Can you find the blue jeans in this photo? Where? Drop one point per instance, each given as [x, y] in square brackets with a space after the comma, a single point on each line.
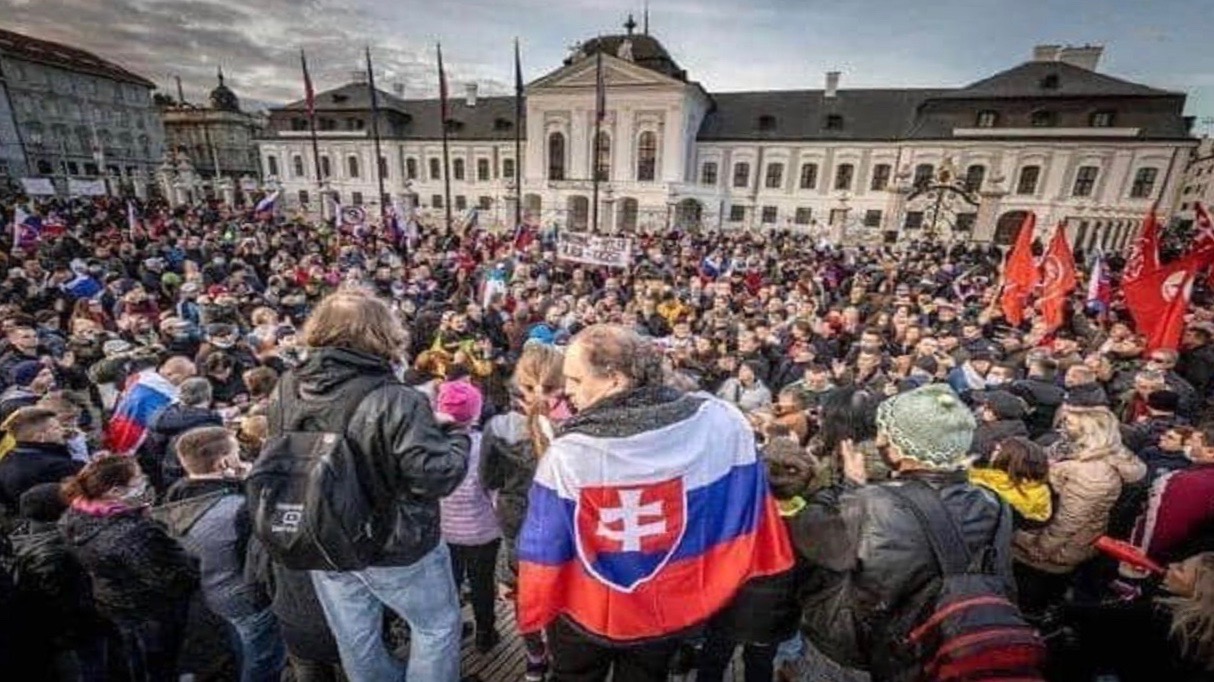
[422, 593]
[262, 653]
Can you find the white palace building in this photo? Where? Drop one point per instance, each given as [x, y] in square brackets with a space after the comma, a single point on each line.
[1052, 135]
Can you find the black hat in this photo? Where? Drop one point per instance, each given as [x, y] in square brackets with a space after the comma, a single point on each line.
[1164, 401]
[1004, 404]
[927, 363]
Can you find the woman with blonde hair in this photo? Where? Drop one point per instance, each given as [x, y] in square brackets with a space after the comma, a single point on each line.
[1086, 485]
[511, 446]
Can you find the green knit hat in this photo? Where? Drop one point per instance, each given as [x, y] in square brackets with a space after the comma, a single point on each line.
[929, 424]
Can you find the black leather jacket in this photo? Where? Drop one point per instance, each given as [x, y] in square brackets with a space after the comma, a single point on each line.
[870, 565]
[411, 458]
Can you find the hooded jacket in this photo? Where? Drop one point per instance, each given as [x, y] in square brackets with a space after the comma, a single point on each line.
[211, 521]
[1087, 487]
[990, 434]
[507, 466]
[410, 461]
[1044, 397]
[137, 570]
[1032, 505]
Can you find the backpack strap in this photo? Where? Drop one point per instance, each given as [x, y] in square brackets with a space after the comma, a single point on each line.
[943, 535]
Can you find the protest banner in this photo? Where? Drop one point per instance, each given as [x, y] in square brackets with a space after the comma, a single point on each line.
[594, 249]
[38, 187]
[85, 188]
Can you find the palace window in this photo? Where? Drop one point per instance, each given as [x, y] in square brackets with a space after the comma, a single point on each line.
[1102, 119]
[843, 176]
[647, 158]
[974, 175]
[508, 169]
[987, 119]
[769, 215]
[923, 175]
[1028, 180]
[410, 168]
[803, 215]
[556, 156]
[741, 174]
[1043, 119]
[436, 169]
[1085, 181]
[737, 213]
[457, 169]
[297, 166]
[602, 167]
[775, 176]
[708, 173]
[271, 166]
[809, 175]
[1144, 183]
[482, 170]
[880, 180]
[352, 166]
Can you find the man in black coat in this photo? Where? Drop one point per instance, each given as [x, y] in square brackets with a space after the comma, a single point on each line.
[40, 456]
[192, 410]
[870, 558]
[1000, 416]
[1196, 363]
[1042, 393]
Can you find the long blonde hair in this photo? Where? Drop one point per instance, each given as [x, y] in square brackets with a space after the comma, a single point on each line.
[539, 372]
[1193, 617]
[1094, 430]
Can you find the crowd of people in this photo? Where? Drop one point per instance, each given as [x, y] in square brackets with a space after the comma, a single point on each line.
[162, 383]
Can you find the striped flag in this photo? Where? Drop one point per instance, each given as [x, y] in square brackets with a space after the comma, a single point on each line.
[268, 203]
[27, 229]
[1100, 292]
[145, 396]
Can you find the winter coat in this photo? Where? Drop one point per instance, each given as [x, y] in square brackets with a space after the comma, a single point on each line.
[1179, 518]
[1087, 394]
[1196, 366]
[990, 434]
[165, 429]
[467, 513]
[1160, 462]
[1144, 434]
[30, 464]
[211, 521]
[15, 398]
[1044, 397]
[870, 565]
[1087, 488]
[52, 586]
[507, 466]
[135, 568]
[747, 399]
[411, 461]
[1031, 501]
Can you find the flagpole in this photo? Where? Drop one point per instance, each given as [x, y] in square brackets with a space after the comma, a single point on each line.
[310, 103]
[442, 92]
[379, 174]
[598, 121]
[518, 139]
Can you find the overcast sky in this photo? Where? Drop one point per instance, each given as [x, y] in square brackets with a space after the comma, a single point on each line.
[726, 45]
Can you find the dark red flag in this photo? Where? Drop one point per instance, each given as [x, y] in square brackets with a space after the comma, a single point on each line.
[1144, 256]
[1019, 272]
[1158, 300]
[1058, 278]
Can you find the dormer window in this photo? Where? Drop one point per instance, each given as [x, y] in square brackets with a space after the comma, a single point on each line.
[1102, 119]
[767, 122]
[834, 122]
[1050, 82]
[1043, 119]
[987, 119]
[340, 98]
[502, 124]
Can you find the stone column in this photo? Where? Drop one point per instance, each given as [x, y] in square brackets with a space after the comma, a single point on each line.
[988, 216]
[227, 190]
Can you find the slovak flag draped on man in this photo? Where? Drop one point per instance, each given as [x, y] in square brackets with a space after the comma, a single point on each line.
[645, 535]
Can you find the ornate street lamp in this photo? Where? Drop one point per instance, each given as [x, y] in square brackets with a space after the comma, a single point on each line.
[945, 194]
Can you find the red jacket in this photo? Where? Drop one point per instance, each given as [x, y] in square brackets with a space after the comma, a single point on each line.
[1179, 512]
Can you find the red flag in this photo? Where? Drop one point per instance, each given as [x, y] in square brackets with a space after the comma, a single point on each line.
[442, 89]
[1204, 237]
[1158, 300]
[309, 93]
[1058, 278]
[1144, 256]
[1019, 272]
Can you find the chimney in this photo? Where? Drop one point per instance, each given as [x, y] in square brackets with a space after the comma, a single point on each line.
[832, 84]
[398, 89]
[470, 94]
[1046, 53]
[1085, 57]
[358, 76]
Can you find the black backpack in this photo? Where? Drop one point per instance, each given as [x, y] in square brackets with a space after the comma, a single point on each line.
[971, 631]
[309, 495]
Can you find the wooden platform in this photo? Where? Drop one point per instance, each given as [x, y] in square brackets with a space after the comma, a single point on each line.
[507, 661]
